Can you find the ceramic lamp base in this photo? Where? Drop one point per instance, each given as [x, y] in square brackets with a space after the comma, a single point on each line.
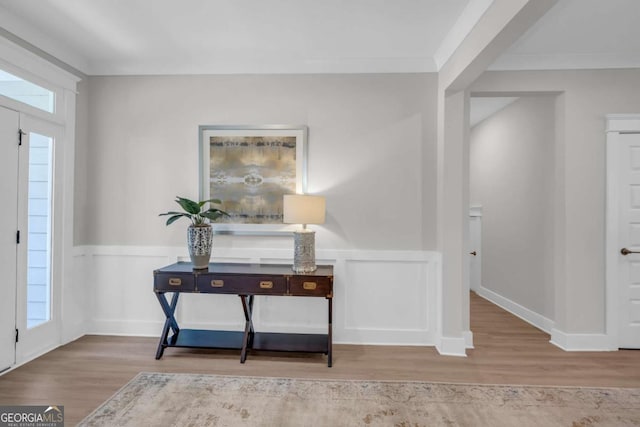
[304, 251]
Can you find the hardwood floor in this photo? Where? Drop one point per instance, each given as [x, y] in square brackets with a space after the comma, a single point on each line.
[84, 373]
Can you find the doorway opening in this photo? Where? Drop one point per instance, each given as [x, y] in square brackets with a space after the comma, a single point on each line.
[512, 190]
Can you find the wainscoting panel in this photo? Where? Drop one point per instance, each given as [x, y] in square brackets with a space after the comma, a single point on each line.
[203, 311]
[75, 293]
[380, 297]
[122, 299]
[277, 314]
[385, 300]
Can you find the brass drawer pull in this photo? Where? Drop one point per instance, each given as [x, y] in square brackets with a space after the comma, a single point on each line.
[174, 281]
[266, 285]
[309, 286]
[217, 283]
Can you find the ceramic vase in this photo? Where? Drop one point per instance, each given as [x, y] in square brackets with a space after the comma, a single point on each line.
[200, 242]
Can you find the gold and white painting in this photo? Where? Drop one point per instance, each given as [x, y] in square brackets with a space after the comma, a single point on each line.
[250, 169]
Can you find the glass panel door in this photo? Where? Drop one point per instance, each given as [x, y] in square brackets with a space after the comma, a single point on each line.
[38, 271]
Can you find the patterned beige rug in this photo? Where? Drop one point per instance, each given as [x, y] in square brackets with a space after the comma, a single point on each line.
[155, 399]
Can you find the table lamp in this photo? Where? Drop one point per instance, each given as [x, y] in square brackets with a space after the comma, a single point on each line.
[304, 209]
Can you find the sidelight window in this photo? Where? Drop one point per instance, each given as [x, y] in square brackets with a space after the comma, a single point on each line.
[39, 239]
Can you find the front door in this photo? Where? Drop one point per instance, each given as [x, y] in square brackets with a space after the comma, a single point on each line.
[627, 303]
[8, 234]
[38, 315]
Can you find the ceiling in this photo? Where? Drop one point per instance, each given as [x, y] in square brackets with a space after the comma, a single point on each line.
[578, 34]
[236, 36]
[116, 37]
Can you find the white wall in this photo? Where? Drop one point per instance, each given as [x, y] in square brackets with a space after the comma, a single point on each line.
[367, 137]
[512, 170]
[371, 153]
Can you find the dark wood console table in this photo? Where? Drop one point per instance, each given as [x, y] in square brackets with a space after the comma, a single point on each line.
[246, 281]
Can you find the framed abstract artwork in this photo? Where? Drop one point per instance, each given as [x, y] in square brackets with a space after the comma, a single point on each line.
[250, 168]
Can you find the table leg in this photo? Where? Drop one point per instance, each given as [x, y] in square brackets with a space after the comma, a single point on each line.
[330, 334]
[170, 321]
[247, 340]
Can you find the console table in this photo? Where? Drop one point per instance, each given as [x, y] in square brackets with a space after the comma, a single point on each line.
[246, 281]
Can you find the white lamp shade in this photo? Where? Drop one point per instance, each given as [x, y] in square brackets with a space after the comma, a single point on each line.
[303, 209]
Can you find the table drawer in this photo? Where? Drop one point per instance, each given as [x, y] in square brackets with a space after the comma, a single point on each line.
[310, 286]
[174, 282]
[249, 285]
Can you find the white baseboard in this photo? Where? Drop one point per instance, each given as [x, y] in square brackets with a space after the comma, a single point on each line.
[137, 328]
[452, 346]
[565, 341]
[531, 317]
[468, 339]
[582, 342]
[30, 358]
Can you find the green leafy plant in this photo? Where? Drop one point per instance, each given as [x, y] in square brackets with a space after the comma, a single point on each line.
[195, 211]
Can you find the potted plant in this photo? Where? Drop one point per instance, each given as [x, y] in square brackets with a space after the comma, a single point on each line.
[199, 233]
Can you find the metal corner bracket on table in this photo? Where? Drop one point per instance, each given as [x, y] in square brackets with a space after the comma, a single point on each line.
[247, 281]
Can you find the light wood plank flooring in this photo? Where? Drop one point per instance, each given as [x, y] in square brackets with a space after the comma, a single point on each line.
[84, 373]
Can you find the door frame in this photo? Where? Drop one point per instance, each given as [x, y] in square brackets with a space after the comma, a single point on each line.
[616, 124]
[25, 64]
[9, 127]
[475, 244]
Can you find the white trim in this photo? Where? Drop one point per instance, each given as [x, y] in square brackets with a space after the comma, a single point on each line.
[72, 319]
[48, 334]
[468, 339]
[356, 282]
[616, 123]
[475, 211]
[25, 64]
[581, 342]
[460, 30]
[139, 328]
[21, 60]
[452, 346]
[269, 65]
[34, 356]
[578, 61]
[623, 123]
[529, 316]
[260, 254]
[565, 341]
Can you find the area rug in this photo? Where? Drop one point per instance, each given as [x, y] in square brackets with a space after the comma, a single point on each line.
[158, 399]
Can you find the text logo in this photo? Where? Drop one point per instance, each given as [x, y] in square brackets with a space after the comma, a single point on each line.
[32, 416]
